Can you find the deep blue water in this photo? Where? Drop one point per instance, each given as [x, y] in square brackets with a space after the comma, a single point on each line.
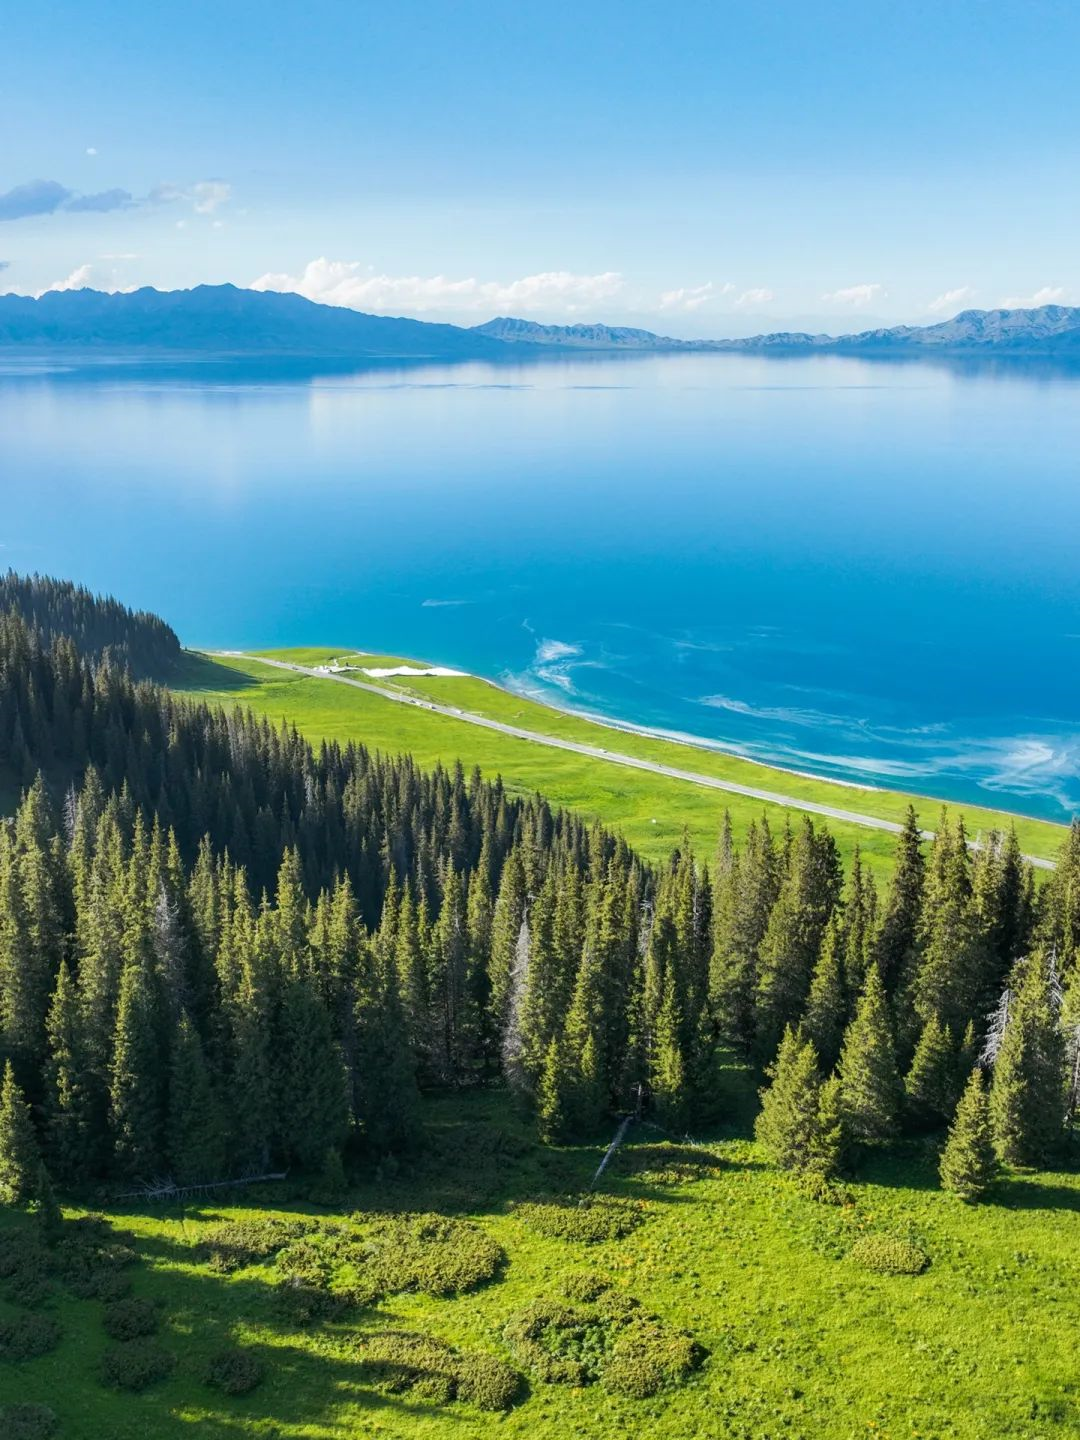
[861, 569]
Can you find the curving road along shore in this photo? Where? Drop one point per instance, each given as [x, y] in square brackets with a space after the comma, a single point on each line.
[611, 757]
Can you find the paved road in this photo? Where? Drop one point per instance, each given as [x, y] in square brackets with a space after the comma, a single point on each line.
[611, 757]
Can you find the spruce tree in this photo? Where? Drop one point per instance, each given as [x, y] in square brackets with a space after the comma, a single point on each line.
[790, 947]
[551, 1119]
[587, 1093]
[869, 1080]
[930, 1084]
[968, 1162]
[48, 1216]
[19, 1157]
[386, 1097]
[746, 889]
[312, 1111]
[825, 1152]
[136, 1088]
[826, 1013]
[1028, 1091]
[195, 1128]
[897, 936]
[787, 1127]
[67, 1105]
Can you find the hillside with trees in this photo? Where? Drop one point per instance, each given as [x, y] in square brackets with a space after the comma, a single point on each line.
[213, 921]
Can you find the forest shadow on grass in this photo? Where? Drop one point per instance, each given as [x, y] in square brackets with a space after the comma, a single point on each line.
[1020, 1192]
[198, 673]
[204, 1312]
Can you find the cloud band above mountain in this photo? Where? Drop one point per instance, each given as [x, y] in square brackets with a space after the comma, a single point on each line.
[358, 287]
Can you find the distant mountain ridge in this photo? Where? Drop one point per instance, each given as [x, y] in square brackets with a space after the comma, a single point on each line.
[1048, 329]
[226, 320]
[223, 319]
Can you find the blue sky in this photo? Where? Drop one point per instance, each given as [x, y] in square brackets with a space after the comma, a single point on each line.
[699, 168]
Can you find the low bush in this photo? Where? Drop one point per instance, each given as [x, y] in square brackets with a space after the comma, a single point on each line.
[559, 1343]
[647, 1357]
[233, 1371]
[487, 1382]
[398, 1362]
[26, 1336]
[429, 1253]
[136, 1364]
[588, 1219]
[24, 1268]
[130, 1319]
[823, 1190]
[27, 1422]
[91, 1258]
[330, 1186]
[667, 1163]
[889, 1255]
[598, 1334]
[301, 1304]
[236, 1244]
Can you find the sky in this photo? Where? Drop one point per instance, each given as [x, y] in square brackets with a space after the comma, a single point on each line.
[698, 168]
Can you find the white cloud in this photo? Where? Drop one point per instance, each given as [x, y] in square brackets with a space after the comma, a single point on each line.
[91, 150]
[1048, 295]
[350, 284]
[79, 279]
[693, 297]
[88, 276]
[857, 296]
[750, 299]
[207, 195]
[204, 196]
[950, 301]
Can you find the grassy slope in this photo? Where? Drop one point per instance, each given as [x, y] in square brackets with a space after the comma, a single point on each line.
[802, 1343]
[651, 810]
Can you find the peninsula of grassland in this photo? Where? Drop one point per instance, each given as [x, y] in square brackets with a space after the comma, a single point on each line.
[651, 809]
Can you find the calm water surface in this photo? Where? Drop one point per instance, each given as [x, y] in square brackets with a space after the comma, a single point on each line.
[862, 569]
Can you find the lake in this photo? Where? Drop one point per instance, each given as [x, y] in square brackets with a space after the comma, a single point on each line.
[863, 569]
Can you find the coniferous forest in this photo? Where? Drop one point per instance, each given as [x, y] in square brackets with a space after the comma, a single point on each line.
[222, 953]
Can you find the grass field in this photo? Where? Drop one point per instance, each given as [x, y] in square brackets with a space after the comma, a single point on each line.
[801, 1342]
[650, 810]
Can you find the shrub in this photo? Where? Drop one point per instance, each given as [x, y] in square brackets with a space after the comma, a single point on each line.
[330, 1186]
[300, 1304]
[487, 1382]
[823, 1190]
[26, 1336]
[647, 1357]
[91, 1257]
[234, 1371]
[600, 1334]
[667, 1163]
[425, 1252]
[588, 1219]
[558, 1343]
[398, 1362]
[27, 1422]
[130, 1319]
[24, 1268]
[585, 1285]
[135, 1364]
[888, 1255]
[236, 1244]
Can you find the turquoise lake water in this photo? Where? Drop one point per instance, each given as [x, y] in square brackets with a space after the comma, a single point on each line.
[862, 569]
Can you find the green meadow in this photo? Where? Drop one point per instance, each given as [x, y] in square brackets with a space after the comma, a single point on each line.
[796, 1341]
[652, 811]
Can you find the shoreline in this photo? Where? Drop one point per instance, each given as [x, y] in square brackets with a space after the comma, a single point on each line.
[701, 742]
[803, 803]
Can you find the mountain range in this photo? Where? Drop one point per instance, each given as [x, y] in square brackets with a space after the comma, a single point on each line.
[226, 320]
[1049, 329]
